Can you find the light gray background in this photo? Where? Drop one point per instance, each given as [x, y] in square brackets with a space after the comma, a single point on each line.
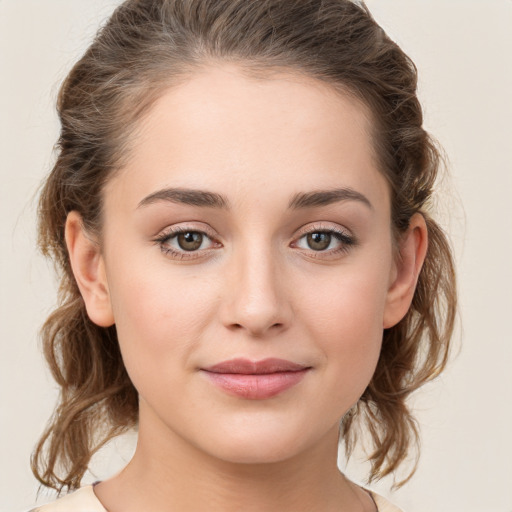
[463, 49]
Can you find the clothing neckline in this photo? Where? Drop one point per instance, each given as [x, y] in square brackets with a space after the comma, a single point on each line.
[381, 503]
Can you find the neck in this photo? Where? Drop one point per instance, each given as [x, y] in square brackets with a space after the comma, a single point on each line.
[167, 473]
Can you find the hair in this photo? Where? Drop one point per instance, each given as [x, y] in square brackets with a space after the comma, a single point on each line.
[148, 46]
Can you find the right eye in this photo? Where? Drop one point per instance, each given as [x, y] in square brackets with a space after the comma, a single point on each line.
[184, 243]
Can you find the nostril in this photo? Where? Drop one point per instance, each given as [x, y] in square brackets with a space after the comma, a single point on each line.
[257, 331]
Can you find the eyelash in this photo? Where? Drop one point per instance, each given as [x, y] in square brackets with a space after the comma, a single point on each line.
[347, 242]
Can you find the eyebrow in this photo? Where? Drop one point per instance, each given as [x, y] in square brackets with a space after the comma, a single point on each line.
[204, 198]
[188, 196]
[326, 197]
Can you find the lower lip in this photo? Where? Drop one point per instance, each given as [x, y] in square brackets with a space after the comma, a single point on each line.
[256, 386]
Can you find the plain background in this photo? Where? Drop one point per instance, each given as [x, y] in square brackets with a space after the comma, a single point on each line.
[463, 50]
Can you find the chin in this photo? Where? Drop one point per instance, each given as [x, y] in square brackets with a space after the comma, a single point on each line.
[256, 454]
[260, 445]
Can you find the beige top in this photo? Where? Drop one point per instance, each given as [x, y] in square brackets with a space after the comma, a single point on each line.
[84, 500]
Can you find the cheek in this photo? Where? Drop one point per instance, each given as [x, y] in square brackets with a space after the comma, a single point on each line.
[159, 315]
[344, 316]
[349, 301]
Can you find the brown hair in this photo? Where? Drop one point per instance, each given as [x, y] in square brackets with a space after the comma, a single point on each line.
[149, 45]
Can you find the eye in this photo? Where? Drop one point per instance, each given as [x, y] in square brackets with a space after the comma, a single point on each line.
[184, 242]
[330, 241]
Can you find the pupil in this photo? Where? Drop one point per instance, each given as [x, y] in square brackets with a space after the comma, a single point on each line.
[319, 241]
[190, 241]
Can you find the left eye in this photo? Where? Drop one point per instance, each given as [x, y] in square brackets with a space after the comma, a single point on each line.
[324, 240]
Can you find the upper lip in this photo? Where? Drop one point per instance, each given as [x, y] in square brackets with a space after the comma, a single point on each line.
[247, 367]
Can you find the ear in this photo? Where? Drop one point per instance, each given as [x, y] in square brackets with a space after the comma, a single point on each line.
[412, 251]
[89, 270]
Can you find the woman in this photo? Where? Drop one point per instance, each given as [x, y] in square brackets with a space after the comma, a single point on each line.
[249, 271]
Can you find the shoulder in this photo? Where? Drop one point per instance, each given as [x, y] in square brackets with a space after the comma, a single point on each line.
[82, 500]
[383, 505]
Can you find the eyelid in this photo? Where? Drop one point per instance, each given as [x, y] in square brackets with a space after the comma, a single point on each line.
[323, 226]
[178, 228]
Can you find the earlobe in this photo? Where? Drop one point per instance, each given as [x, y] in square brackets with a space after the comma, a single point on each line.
[89, 270]
[412, 252]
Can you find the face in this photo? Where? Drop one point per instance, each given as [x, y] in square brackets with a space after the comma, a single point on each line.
[248, 260]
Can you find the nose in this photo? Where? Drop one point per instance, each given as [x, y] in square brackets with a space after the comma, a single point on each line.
[255, 298]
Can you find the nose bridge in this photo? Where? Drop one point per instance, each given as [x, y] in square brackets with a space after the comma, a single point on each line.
[255, 298]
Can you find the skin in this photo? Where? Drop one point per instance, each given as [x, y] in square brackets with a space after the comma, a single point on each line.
[254, 289]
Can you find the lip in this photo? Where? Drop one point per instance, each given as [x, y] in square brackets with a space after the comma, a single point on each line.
[256, 380]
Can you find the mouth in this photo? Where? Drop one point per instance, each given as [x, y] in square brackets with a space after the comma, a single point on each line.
[255, 380]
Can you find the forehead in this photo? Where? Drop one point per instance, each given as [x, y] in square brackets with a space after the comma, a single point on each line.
[225, 131]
